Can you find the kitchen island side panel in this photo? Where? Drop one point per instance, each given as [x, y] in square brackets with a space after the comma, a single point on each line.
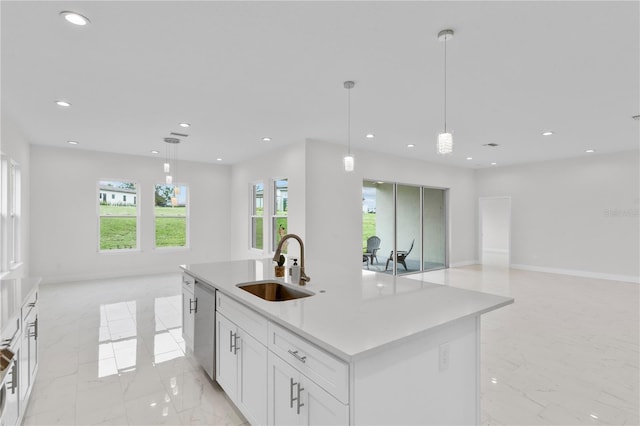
[431, 379]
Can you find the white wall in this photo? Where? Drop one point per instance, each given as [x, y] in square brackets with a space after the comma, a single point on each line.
[283, 163]
[576, 216]
[15, 145]
[64, 233]
[334, 210]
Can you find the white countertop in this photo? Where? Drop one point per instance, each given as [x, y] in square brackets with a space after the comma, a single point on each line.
[353, 312]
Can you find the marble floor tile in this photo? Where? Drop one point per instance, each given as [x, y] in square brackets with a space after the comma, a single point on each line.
[566, 353]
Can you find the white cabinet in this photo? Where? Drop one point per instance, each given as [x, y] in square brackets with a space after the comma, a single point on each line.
[295, 399]
[188, 310]
[241, 359]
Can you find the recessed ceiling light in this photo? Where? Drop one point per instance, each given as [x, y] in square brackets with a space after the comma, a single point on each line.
[155, 152]
[590, 151]
[410, 145]
[184, 124]
[493, 164]
[73, 142]
[370, 136]
[469, 158]
[266, 139]
[218, 159]
[75, 18]
[547, 133]
[63, 103]
[380, 182]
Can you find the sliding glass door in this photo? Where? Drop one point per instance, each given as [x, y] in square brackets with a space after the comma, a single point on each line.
[434, 229]
[404, 227]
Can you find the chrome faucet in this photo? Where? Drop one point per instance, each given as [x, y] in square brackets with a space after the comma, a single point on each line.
[303, 277]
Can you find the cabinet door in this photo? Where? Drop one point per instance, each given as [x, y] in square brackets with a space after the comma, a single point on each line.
[187, 318]
[282, 380]
[252, 379]
[204, 327]
[226, 359]
[320, 407]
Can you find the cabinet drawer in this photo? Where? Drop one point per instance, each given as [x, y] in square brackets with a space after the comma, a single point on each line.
[245, 318]
[331, 373]
[188, 283]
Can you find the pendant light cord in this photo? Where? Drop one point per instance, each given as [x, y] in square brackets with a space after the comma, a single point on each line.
[445, 85]
[349, 122]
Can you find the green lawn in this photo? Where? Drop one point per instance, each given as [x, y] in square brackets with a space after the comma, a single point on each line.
[118, 233]
[368, 227]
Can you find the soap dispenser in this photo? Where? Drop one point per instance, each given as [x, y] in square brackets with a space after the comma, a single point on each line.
[295, 272]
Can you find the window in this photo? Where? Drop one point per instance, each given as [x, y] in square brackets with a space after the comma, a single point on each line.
[10, 214]
[118, 219]
[257, 216]
[14, 212]
[279, 215]
[171, 215]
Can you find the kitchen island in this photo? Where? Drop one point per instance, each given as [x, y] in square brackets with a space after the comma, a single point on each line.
[365, 348]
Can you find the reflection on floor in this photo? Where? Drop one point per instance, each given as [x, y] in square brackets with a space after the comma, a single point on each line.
[566, 353]
[111, 352]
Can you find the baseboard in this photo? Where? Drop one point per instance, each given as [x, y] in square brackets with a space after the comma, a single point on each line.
[58, 279]
[577, 273]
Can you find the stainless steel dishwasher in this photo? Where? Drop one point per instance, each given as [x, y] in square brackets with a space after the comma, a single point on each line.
[205, 327]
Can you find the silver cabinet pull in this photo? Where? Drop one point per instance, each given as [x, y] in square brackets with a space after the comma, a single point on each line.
[301, 358]
[34, 325]
[295, 399]
[193, 306]
[233, 342]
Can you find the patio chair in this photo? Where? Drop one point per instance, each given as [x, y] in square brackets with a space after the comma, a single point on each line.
[399, 257]
[373, 245]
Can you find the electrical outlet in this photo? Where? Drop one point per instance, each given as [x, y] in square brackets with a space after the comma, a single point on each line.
[443, 357]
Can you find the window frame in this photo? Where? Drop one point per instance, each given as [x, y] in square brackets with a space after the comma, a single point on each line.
[186, 218]
[253, 215]
[10, 215]
[137, 216]
[274, 212]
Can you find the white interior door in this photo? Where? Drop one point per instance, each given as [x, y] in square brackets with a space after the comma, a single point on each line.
[495, 231]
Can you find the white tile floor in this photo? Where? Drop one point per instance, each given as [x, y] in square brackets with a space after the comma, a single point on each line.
[566, 353]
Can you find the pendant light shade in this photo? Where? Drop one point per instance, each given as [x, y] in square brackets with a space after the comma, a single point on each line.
[445, 139]
[349, 161]
[445, 143]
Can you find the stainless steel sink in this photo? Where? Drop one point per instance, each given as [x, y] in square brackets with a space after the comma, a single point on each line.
[274, 291]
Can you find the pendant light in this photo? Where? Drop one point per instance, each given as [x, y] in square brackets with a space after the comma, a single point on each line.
[445, 139]
[349, 162]
[169, 165]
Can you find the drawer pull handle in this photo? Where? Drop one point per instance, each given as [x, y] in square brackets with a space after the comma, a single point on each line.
[302, 359]
[193, 306]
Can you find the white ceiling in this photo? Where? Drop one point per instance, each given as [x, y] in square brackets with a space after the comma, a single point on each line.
[238, 71]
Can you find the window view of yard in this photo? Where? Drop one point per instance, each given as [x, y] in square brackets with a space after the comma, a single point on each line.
[119, 215]
[171, 215]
